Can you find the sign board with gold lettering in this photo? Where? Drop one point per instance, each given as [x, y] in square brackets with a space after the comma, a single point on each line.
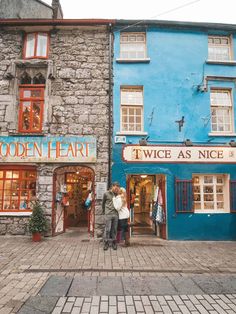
[179, 154]
[48, 149]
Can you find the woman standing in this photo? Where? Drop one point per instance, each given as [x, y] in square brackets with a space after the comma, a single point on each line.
[120, 204]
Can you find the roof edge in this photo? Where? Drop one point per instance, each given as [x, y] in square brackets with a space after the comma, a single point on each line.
[176, 24]
[54, 22]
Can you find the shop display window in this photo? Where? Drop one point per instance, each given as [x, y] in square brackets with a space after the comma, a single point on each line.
[17, 189]
[210, 193]
[31, 108]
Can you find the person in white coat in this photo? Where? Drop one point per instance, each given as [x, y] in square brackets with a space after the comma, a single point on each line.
[120, 204]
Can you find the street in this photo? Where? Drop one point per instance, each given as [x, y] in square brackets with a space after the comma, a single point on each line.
[71, 273]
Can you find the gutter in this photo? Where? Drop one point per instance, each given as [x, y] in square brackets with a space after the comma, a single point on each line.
[55, 22]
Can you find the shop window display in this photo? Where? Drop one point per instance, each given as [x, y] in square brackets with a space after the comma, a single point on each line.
[17, 189]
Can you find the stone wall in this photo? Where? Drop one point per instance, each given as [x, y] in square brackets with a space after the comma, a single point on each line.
[76, 96]
[20, 9]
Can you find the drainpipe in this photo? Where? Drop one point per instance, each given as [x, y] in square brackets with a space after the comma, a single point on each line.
[110, 120]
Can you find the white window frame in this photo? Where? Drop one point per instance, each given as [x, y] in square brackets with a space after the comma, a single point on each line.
[202, 184]
[132, 104]
[222, 106]
[219, 46]
[129, 42]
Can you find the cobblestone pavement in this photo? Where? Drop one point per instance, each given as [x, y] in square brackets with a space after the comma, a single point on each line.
[25, 267]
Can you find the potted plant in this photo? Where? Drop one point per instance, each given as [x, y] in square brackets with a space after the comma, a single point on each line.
[37, 222]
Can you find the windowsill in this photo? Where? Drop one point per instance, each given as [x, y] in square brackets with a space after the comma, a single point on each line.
[132, 133]
[211, 212]
[221, 62]
[123, 60]
[17, 213]
[27, 134]
[222, 134]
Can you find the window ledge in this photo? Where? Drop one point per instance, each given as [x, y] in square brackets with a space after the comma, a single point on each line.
[122, 60]
[25, 213]
[222, 134]
[211, 212]
[229, 62]
[132, 133]
[27, 134]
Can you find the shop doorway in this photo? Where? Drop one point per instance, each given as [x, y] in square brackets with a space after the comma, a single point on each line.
[143, 191]
[72, 184]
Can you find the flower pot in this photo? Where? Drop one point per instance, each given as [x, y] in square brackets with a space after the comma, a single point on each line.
[36, 237]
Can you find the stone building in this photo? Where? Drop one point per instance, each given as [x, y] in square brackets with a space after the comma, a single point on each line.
[35, 9]
[55, 82]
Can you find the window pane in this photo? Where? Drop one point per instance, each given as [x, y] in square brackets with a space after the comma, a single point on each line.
[30, 44]
[36, 115]
[42, 45]
[26, 115]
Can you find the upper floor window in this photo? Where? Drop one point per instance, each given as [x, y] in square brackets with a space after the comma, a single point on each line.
[219, 48]
[17, 189]
[133, 46]
[132, 109]
[221, 111]
[31, 108]
[36, 45]
[210, 193]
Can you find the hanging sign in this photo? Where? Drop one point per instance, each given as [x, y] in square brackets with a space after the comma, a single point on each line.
[179, 154]
[48, 149]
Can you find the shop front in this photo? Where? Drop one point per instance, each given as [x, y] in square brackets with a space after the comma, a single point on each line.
[57, 171]
[197, 190]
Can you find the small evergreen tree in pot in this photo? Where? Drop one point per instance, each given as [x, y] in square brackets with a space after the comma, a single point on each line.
[37, 221]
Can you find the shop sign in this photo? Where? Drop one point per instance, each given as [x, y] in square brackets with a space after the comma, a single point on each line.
[48, 149]
[179, 154]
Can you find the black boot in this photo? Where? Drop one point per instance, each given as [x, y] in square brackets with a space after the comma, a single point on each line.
[114, 245]
[106, 246]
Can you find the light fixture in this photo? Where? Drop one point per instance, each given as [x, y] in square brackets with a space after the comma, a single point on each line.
[143, 176]
[188, 142]
[232, 143]
[143, 141]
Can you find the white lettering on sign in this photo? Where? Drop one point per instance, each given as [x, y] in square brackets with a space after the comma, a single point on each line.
[179, 154]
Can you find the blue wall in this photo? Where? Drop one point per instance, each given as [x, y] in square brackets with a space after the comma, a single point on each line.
[177, 66]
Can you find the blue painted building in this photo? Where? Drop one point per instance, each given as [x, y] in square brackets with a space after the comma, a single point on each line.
[174, 126]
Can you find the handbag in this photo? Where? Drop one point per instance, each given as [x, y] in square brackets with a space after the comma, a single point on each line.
[88, 201]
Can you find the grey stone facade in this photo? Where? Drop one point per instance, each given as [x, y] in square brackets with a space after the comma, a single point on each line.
[35, 9]
[76, 101]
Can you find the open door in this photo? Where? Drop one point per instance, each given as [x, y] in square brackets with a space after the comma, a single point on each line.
[141, 192]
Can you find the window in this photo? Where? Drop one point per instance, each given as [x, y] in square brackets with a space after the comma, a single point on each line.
[132, 110]
[221, 111]
[210, 193]
[31, 109]
[17, 189]
[36, 45]
[219, 48]
[133, 46]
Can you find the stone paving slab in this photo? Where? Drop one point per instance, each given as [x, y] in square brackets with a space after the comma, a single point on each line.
[39, 305]
[56, 286]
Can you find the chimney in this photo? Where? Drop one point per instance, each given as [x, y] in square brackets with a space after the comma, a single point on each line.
[56, 7]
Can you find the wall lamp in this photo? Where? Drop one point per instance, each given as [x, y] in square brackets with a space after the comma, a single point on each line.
[143, 141]
[188, 142]
[232, 143]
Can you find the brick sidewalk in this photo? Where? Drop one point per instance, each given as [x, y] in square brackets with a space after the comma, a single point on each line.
[26, 266]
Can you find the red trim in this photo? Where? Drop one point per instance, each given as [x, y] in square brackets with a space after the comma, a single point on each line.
[35, 56]
[23, 99]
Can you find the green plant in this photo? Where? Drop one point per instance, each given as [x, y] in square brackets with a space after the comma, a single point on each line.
[37, 221]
